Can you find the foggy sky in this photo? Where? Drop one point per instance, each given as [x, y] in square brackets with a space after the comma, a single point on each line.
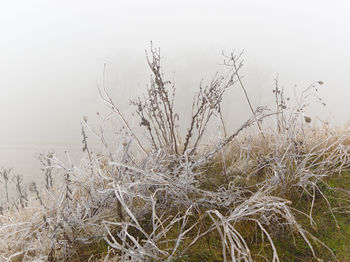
[52, 55]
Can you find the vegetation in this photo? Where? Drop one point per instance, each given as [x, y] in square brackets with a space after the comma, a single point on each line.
[264, 192]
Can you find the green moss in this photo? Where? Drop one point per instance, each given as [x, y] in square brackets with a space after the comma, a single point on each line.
[96, 250]
[326, 230]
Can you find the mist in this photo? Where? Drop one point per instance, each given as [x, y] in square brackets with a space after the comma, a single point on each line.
[52, 55]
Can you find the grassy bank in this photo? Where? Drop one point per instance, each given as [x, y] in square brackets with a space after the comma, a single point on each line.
[275, 189]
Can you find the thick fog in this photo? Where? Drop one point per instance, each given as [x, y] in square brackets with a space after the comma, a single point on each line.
[52, 55]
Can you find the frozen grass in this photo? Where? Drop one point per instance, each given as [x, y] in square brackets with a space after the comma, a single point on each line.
[238, 197]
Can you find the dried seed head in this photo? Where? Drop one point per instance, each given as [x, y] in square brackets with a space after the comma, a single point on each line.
[85, 119]
[307, 119]
[320, 82]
